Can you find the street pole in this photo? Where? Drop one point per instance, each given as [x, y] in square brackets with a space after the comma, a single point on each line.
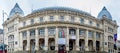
[3, 28]
[3, 31]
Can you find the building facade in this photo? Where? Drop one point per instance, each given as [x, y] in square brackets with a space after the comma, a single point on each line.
[1, 36]
[118, 45]
[54, 27]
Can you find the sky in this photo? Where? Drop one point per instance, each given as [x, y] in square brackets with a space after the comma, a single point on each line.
[91, 6]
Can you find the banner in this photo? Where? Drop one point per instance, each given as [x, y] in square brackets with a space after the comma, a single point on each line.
[115, 37]
[61, 41]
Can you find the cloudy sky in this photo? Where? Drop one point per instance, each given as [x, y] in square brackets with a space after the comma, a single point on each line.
[91, 6]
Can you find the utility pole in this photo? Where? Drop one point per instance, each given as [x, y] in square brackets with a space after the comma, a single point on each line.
[3, 29]
[3, 32]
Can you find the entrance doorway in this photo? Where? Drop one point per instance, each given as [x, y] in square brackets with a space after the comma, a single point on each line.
[71, 44]
[61, 49]
[97, 45]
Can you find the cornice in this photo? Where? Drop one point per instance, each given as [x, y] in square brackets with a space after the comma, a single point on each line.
[57, 22]
[109, 21]
[76, 14]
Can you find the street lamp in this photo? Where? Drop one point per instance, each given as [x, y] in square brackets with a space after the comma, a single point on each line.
[3, 28]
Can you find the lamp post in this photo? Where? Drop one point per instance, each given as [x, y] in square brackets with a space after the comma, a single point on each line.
[3, 28]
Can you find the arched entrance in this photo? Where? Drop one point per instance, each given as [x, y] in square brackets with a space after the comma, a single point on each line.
[32, 45]
[97, 45]
[71, 44]
[41, 44]
[81, 44]
[51, 44]
[90, 45]
[24, 44]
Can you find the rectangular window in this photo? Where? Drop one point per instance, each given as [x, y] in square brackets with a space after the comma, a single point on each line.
[72, 19]
[110, 29]
[41, 19]
[72, 31]
[98, 25]
[82, 21]
[51, 31]
[51, 18]
[32, 21]
[24, 34]
[24, 23]
[81, 32]
[32, 32]
[97, 35]
[41, 31]
[11, 28]
[61, 18]
[90, 34]
[90, 23]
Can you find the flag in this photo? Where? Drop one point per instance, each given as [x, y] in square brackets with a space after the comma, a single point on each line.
[60, 34]
[63, 33]
[115, 37]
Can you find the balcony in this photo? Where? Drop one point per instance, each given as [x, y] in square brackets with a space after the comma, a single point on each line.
[24, 37]
[51, 35]
[97, 38]
[90, 37]
[82, 36]
[41, 35]
[32, 36]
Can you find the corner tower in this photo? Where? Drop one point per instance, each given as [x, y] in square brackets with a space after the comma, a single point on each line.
[104, 12]
[16, 10]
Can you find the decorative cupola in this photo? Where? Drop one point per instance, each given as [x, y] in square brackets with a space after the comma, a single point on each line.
[16, 10]
[104, 12]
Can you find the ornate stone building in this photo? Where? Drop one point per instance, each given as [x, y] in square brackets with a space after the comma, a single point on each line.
[54, 27]
[1, 36]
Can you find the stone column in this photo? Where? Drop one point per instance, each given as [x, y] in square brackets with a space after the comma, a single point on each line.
[36, 40]
[56, 39]
[94, 42]
[28, 40]
[67, 39]
[21, 41]
[77, 40]
[101, 42]
[86, 41]
[46, 39]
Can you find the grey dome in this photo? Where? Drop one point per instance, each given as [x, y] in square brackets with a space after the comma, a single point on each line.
[15, 10]
[104, 12]
[60, 8]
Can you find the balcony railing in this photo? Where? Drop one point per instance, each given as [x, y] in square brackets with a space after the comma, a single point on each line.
[32, 36]
[24, 37]
[51, 35]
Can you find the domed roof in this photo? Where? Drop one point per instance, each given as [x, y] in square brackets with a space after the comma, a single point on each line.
[15, 10]
[60, 8]
[104, 12]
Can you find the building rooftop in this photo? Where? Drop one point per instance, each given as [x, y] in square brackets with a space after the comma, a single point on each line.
[60, 8]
